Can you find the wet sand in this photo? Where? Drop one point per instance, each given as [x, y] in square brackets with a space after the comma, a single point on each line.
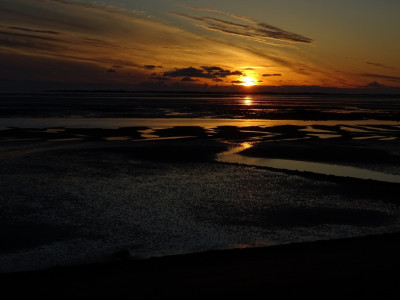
[67, 191]
[356, 268]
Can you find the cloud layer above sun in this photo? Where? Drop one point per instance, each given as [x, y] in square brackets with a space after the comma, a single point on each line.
[48, 44]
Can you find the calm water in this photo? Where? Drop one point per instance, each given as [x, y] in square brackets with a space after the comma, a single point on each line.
[79, 122]
[279, 107]
[233, 156]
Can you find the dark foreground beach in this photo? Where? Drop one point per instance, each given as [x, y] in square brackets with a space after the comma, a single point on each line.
[94, 228]
[355, 268]
[195, 208]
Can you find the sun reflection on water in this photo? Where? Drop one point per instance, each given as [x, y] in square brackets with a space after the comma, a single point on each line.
[246, 145]
[248, 100]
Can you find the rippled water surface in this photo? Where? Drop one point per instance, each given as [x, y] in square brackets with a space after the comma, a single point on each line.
[136, 105]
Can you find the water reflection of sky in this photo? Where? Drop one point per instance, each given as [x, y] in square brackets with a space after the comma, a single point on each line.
[244, 129]
[319, 107]
[248, 100]
[168, 123]
[233, 156]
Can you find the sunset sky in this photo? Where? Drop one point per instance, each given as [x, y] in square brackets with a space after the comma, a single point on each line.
[171, 44]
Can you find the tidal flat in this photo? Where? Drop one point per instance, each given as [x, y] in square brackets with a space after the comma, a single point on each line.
[90, 196]
[67, 201]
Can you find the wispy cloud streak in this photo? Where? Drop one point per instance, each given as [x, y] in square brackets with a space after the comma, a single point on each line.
[380, 76]
[248, 28]
[272, 75]
[94, 6]
[375, 64]
[23, 29]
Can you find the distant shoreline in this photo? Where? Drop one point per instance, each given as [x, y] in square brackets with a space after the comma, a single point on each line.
[355, 93]
[248, 92]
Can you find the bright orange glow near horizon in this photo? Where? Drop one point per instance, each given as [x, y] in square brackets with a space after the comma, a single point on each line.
[248, 81]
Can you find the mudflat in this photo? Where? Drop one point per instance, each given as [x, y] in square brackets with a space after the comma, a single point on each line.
[353, 268]
[152, 209]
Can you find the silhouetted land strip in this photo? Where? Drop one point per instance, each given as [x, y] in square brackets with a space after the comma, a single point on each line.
[354, 268]
[354, 92]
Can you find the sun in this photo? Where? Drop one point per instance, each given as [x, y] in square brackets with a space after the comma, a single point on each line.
[248, 81]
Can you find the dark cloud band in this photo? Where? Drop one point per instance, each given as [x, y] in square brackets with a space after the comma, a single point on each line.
[211, 72]
[271, 75]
